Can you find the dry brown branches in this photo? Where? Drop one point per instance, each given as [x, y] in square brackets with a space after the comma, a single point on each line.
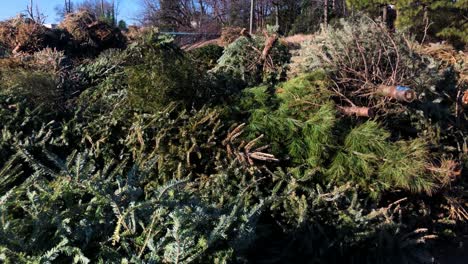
[245, 152]
[269, 43]
[456, 208]
[446, 172]
[22, 35]
[231, 34]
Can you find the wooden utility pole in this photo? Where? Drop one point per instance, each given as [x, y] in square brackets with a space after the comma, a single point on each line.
[325, 13]
[202, 14]
[276, 13]
[252, 7]
[344, 11]
[102, 9]
[114, 13]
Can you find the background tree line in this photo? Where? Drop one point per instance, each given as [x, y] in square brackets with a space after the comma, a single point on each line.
[432, 20]
[211, 15]
[427, 19]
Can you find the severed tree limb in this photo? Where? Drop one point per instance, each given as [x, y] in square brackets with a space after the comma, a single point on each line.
[399, 93]
[244, 32]
[269, 43]
[244, 152]
[17, 48]
[465, 99]
[357, 111]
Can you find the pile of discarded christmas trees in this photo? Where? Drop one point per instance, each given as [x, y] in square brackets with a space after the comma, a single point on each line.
[142, 155]
[371, 107]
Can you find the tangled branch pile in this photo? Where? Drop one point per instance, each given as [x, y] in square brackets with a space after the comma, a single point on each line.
[78, 33]
[22, 34]
[449, 56]
[364, 56]
[3, 51]
[229, 35]
[89, 32]
[255, 59]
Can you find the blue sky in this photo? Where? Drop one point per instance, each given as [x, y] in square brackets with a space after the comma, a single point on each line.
[9, 8]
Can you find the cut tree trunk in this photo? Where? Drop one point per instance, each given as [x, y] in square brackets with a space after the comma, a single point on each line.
[358, 111]
[245, 33]
[269, 43]
[398, 93]
[465, 99]
[17, 48]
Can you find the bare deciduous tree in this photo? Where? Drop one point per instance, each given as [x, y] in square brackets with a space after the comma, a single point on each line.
[105, 9]
[212, 15]
[34, 13]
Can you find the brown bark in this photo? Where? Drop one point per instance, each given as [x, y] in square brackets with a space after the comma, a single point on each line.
[398, 93]
[465, 98]
[17, 48]
[13, 107]
[269, 43]
[244, 32]
[358, 111]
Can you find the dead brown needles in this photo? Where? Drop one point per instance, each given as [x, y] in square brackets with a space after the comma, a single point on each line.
[229, 35]
[243, 151]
